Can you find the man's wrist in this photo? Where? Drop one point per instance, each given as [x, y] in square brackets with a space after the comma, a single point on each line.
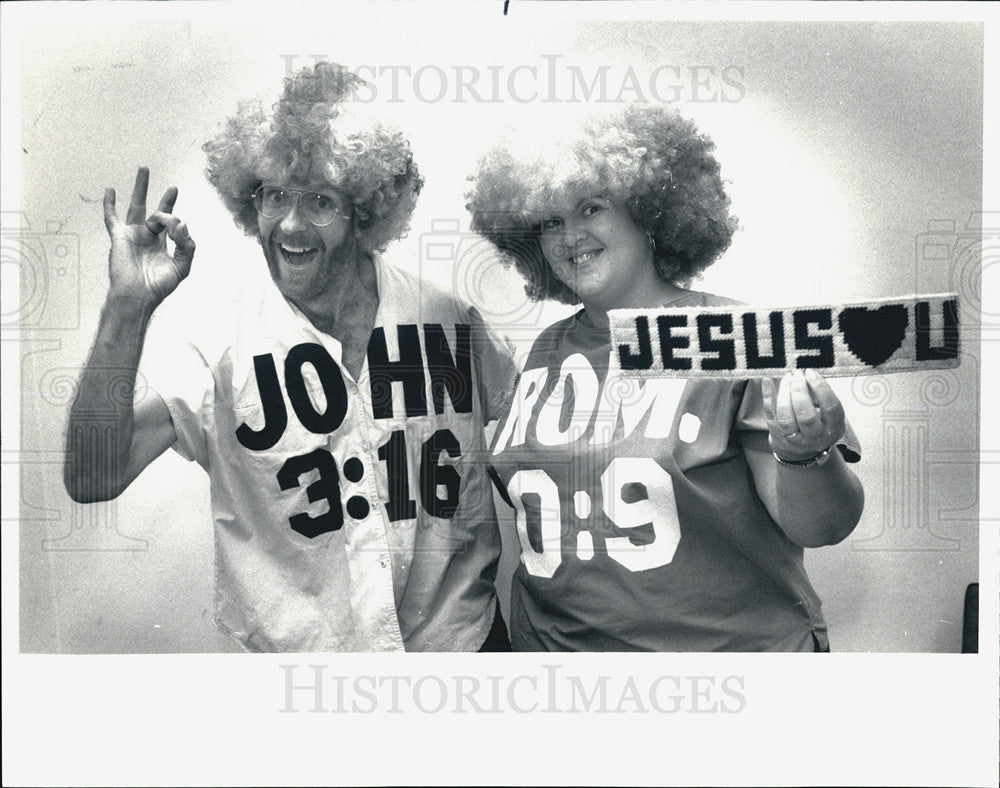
[128, 306]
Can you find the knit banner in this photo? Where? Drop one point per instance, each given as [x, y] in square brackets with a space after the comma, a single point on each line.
[858, 338]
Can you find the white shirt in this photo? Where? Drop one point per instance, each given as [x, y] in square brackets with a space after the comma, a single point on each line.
[410, 567]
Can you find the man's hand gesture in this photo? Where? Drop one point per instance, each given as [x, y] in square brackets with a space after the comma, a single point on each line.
[139, 265]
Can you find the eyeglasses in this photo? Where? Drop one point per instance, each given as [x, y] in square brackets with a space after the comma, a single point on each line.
[320, 209]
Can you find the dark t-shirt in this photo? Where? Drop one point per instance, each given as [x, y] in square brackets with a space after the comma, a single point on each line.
[639, 522]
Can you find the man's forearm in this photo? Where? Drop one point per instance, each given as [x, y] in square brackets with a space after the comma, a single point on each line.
[101, 421]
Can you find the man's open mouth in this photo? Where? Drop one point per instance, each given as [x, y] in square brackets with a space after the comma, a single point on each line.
[297, 256]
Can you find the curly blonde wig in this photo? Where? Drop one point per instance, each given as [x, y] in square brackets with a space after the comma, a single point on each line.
[318, 131]
[646, 157]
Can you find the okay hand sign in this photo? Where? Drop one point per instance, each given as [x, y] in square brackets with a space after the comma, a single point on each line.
[139, 264]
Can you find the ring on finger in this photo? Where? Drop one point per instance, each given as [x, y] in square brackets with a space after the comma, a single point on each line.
[790, 435]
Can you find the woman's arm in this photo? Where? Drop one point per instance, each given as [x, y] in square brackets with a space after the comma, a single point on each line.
[814, 503]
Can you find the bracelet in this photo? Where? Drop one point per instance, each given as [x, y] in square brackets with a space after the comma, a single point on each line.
[819, 459]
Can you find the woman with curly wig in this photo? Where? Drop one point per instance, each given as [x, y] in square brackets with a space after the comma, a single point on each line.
[669, 516]
[350, 514]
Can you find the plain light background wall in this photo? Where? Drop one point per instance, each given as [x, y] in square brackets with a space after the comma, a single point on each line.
[843, 143]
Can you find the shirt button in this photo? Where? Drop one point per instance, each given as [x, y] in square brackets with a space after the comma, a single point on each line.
[383, 559]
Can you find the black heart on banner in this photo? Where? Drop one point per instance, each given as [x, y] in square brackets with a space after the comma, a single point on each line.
[873, 335]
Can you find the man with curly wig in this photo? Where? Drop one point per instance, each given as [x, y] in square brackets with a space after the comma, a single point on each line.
[338, 408]
[669, 515]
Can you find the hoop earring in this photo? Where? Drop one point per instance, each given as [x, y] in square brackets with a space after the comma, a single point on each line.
[652, 242]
